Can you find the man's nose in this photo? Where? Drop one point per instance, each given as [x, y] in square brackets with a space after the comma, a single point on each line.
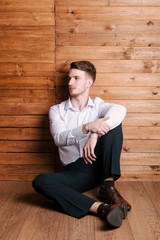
[70, 82]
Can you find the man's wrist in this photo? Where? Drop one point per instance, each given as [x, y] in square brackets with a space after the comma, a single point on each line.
[94, 135]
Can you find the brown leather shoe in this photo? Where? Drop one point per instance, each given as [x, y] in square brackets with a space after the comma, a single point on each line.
[112, 196]
[114, 214]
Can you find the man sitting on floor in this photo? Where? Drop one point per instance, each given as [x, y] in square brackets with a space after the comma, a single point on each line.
[89, 137]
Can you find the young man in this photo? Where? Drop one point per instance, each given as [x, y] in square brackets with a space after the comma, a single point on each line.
[89, 138]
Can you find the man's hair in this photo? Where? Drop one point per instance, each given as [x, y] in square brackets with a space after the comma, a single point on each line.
[85, 66]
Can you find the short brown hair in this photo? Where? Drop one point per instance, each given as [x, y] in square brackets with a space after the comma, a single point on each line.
[85, 66]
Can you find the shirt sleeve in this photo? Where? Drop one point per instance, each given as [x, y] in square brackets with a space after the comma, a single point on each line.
[115, 112]
[61, 136]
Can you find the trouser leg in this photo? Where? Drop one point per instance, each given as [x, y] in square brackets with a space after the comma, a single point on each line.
[67, 186]
[108, 151]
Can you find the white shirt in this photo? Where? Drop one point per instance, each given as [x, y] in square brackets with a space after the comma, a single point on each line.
[66, 125]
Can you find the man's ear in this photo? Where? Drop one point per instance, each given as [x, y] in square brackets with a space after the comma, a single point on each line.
[89, 82]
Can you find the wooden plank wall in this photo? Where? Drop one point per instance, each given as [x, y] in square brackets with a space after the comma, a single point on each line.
[27, 78]
[122, 39]
[38, 40]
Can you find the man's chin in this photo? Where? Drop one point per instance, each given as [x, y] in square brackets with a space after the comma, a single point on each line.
[72, 94]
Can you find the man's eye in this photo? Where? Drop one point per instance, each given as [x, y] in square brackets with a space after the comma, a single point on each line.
[76, 78]
[68, 78]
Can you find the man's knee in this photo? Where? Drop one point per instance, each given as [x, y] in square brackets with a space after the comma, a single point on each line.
[40, 182]
[114, 133]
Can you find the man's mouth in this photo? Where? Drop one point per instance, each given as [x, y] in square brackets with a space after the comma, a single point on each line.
[71, 88]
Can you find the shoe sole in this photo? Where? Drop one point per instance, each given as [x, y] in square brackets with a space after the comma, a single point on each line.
[124, 210]
[115, 217]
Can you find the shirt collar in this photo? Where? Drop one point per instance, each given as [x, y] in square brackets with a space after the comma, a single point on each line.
[69, 104]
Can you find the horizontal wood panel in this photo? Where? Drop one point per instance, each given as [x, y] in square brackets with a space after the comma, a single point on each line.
[140, 170]
[27, 18]
[27, 158]
[142, 119]
[141, 159]
[27, 5]
[35, 121]
[133, 146]
[18, 177]
[30, 44]
[118, 80]
[27, 69]
[108, 53]
[82, 3]
[11, 32]
[25, 134]
[109, 39]
[97, 13]
[139, 106]
[26, 169]
[25, 108]
[127, 79]
[141, 132]
[139, 177]
[44, 134]
[27, 146]
[115, 66]
[27, 56]
[143, 146]
[134, 3]
[108, 3]
[114, 26]
[24, 96]
[27, 82]
[135, 93]
[126, 92]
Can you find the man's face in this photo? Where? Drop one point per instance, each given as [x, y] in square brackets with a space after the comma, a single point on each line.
[78, 82]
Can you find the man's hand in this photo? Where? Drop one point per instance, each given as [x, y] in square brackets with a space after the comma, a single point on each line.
[88, 150]
[100, 126]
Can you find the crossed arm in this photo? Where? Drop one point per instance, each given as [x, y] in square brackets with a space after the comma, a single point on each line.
[67, 137]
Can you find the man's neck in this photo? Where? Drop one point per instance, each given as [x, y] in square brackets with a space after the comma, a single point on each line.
[79, 102]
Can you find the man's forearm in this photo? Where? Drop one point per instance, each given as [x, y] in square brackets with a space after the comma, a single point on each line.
[99, 126]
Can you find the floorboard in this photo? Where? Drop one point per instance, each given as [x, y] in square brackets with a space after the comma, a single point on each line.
[25, 215]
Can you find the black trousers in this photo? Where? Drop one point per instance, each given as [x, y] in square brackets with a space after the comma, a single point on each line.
[67, 186]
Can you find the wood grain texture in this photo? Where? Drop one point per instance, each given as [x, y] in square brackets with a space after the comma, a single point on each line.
[26, 83]
[108, 3]
[22, 209]
[109, 39]
[111, 26]
[27, 18]
[144, 211]
[108, 53]
[21, 6]
[97, 13]
[38, 41]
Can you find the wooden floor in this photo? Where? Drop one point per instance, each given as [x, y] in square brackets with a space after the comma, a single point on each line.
[25, 215]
